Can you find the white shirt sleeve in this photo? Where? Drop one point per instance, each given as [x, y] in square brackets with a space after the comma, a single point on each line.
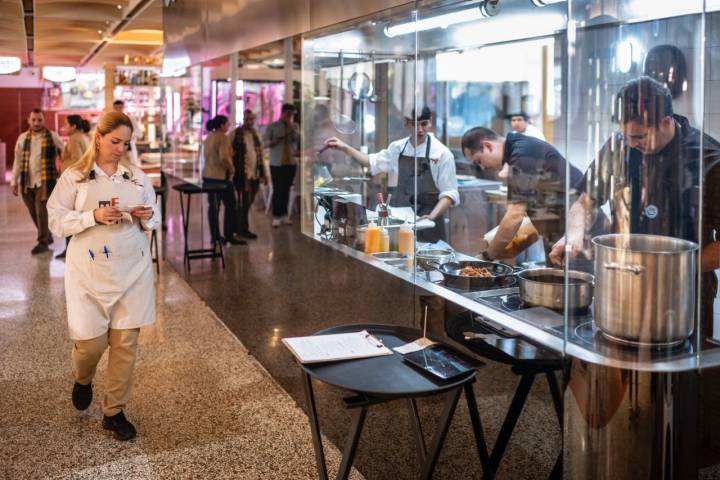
[386, 160]
[63, 219]
[18, 159]
[149, 198]
[446, 178]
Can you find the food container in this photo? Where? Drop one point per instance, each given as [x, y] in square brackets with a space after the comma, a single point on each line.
[545, 287]
[396, 259]
[645, 290]
[455, 278]
[432, 258]
[525, 237]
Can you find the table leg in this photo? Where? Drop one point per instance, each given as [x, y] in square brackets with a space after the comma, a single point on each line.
[417, 429]
[352, 443]
[185, 231]
[451, 400]
[488, 472]
[511, 419]
[557, 399]
[315, 427]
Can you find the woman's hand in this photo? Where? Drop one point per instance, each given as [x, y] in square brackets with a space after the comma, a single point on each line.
[143, 213]
[336, 143]
[107, 215]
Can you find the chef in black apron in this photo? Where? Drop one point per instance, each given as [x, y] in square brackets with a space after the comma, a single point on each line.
[419, 160]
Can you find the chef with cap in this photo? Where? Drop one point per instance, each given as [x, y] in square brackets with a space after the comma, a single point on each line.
[437, 188]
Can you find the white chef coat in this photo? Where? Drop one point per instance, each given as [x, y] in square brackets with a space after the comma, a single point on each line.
[109, 281]
[533, 131]
[442, 164]
[34, 163]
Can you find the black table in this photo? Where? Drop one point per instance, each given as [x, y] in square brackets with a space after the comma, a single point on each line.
[526, 360]
[188, 190]
[382, 379]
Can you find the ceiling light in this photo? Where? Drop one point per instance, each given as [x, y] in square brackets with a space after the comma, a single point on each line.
[544, 3]
[9, 65]
[59, 74]
[119, 7]
[100, 32]
[439, 21]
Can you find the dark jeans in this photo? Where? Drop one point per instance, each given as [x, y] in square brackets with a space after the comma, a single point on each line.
[246, 196]
[227, 198]
[282, 179]
[38, 212]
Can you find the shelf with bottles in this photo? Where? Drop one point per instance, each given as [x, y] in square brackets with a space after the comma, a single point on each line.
[137, 77]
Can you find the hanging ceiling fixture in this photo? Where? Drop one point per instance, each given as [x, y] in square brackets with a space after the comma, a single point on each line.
[59, 74]
[10, 65]
[545, 3]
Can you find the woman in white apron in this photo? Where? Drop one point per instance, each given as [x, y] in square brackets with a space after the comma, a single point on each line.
[106, 205]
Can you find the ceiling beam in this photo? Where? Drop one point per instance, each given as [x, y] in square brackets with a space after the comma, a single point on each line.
[139, 7]
[29, 20]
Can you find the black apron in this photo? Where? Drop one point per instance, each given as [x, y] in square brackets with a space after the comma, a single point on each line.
[428, 194]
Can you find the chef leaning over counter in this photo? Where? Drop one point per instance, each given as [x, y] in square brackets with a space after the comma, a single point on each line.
[649, 175]
[535, 173]
[106, 204]
[436, 179]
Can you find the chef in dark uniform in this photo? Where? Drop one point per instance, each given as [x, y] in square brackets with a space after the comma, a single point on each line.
[535, 174]
[437, 188]
[649, 174]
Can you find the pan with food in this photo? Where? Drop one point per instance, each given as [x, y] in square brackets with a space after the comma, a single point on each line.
[475, 274]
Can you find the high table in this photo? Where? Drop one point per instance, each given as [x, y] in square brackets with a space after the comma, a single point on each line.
[188, 190]
[382, 379]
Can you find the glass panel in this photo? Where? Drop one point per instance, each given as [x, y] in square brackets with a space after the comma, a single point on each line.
[635, 102]
[358, 88]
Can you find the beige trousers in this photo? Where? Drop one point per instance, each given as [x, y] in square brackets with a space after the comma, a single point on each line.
[121, 362]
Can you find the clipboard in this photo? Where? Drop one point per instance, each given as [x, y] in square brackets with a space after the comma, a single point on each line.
[336, 347]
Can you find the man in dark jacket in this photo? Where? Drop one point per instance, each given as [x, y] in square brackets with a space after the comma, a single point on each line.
[249, 169]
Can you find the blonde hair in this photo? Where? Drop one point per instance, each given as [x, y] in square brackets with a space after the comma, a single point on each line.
[107, 123]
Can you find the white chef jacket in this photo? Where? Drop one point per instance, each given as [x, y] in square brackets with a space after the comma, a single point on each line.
[533, 131]
[442, 164]
[34, 164]
[109, 281]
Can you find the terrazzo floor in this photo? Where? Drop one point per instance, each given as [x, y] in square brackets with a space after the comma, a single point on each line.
[203, 406]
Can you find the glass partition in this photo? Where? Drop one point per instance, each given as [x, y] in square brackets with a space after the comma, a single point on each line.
[572, 149]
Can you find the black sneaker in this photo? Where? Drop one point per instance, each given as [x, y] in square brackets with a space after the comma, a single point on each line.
[119, 426]
[234, 240]
[40, 248]
[82, 396]
[248, 234]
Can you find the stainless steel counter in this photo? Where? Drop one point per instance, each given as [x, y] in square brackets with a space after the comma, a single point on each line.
[577, 338]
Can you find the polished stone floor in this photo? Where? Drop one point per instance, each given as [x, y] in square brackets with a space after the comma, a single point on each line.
[203, 407]
[286, 284]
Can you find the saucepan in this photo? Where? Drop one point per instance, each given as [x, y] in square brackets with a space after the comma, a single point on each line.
[545, 287]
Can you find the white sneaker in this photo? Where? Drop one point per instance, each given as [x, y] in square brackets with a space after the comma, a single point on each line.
[287, 221]
[276, 222]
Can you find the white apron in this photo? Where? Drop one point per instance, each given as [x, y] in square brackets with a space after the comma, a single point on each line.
[109, 280]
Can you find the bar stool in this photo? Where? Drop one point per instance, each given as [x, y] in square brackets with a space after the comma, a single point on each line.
[187, 190]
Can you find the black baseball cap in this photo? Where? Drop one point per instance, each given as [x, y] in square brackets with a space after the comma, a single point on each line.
[425, 114]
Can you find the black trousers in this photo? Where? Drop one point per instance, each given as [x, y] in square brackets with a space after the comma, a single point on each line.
[282, 180]
[227, 198]
[246, 197]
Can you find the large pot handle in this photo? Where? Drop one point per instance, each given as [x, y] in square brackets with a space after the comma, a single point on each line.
[636, 269]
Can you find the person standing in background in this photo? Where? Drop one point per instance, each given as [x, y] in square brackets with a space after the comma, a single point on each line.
[119, 106]
[249, 169]
[34, 173]
[77, 144]
[282, 138]
[219, 170]
[519, 122]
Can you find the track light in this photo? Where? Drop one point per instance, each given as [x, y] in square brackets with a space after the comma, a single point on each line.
[487, 8]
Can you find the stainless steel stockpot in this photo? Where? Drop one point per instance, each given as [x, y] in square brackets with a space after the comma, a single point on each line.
[645, 288]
